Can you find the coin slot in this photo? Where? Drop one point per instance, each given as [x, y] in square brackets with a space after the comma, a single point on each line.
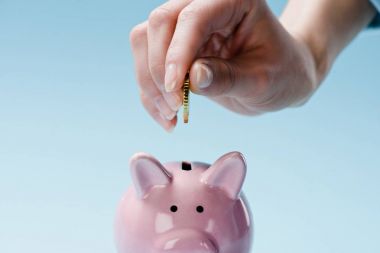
[186, 166]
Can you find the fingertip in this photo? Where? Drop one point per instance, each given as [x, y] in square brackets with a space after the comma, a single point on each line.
[164, 109]
[157, 116]
[168, 125]
[170, 129]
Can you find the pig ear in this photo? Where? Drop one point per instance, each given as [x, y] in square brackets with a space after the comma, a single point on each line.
[147, 172]
[227, 174]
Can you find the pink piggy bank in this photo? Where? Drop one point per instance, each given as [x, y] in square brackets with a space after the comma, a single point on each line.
[183, 207]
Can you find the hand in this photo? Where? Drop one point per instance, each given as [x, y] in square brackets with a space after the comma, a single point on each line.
[238, 53]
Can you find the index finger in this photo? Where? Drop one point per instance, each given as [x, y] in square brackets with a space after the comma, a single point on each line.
[161, 25]
[196, 22]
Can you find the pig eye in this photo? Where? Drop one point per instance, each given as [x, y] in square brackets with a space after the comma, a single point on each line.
[173, 208]
[200, 209]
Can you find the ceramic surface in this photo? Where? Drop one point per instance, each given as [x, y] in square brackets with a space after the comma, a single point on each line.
[185, 207]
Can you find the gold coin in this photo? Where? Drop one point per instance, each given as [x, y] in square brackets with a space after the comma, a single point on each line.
[186, 91]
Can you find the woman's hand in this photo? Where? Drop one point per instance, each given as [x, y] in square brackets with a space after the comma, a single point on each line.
[237, 51]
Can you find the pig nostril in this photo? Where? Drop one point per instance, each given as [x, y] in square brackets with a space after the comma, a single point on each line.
[200, 209]
[174, 208]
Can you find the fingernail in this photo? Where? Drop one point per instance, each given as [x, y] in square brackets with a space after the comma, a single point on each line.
[204, 76]
[170, 116]
[164, 109]
[170, 77]
[174, 100]
[168, 126]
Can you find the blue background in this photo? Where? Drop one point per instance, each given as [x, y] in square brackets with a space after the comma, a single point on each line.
[70, 118]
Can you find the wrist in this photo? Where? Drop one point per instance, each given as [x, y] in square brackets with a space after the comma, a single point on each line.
[313, 44]
[315, 49]
[326, 27]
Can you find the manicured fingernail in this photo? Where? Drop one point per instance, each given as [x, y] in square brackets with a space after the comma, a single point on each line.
[174, 100]
[170, 116]
[164, 109]
[170, 77]
[168, 126]
[203, 77]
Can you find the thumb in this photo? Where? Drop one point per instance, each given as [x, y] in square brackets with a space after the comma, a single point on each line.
[213, 77]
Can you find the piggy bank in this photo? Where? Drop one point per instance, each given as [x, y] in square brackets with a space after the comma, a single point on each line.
[184, 207]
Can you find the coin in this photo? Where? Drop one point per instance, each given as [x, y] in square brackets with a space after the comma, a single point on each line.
[186, 91]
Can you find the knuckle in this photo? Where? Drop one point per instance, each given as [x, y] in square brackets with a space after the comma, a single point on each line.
[158, 72]
[147, 105]
[147, 87]
[137, 34]
[230, 74]
[159, 16]
[229, 77]
[174, 52]
[187, 15]
[146, 100]
[157, 68]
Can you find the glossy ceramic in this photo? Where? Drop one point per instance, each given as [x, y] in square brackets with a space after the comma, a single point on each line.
[183, 207]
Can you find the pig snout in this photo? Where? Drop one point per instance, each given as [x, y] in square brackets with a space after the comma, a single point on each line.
[185, 241]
